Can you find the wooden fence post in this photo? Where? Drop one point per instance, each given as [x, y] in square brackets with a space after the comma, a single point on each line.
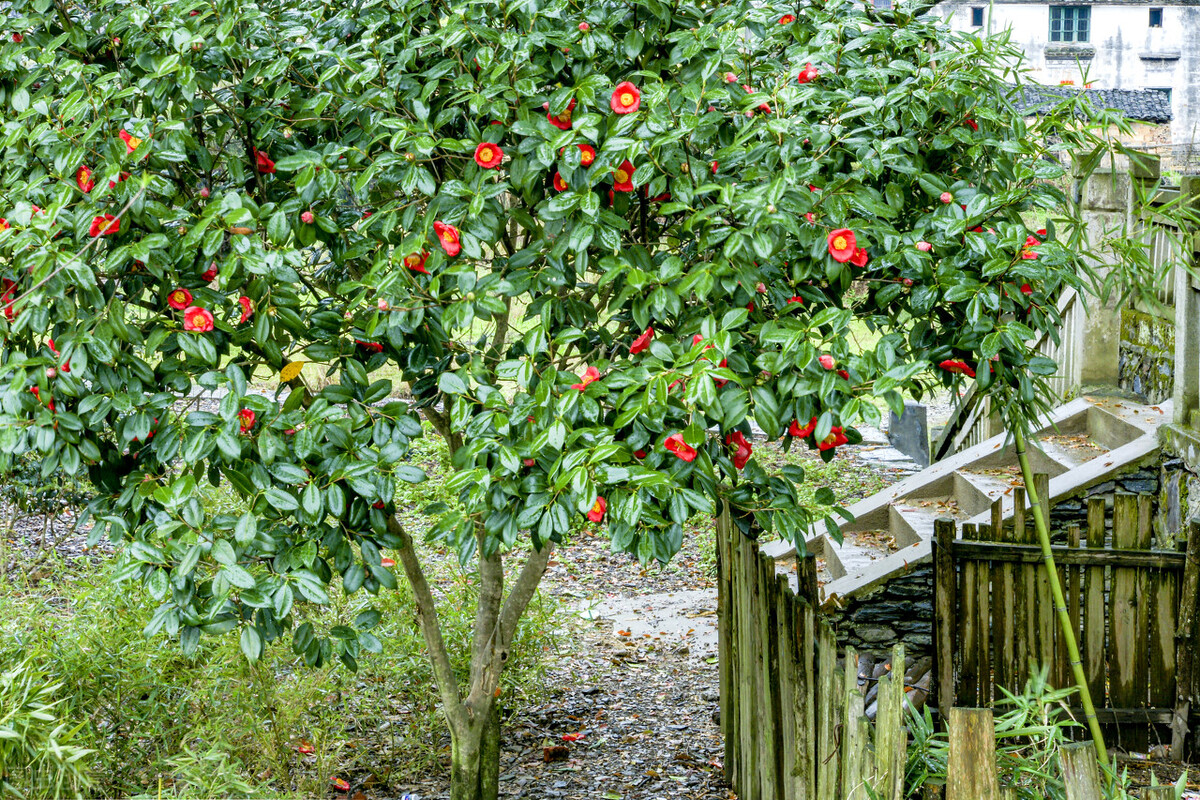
[891, 737]
[1093, 607]
[803, 694]
[1158, 793]
[725, 652]
[769, 725]
[828, 706]
[1185, 641]
[854, 747]
[1081, 773]
[971, 771]
[945, 586]
[1126, 673]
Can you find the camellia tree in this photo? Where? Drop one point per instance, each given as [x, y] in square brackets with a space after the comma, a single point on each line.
[592, 245]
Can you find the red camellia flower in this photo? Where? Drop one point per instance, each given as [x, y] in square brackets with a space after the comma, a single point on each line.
[7, 293]
[246, 419]
[924, 247]
[587, 154]
[809, 73]
[715, 166]
[559, 184]
[583, 26]
[787, 19]
[970, 123]
[744, 450]
[83, 178]
[529, 462]
[18, 38]
[958, 367]
[626, 98]
[307, 217]
[730, 77]
[802, 433]
[4, 224]
[387, 562]
[598, 509]
[416, 261]
[247, 308]
[563, 120]
[641, 342]
[827, 361]
[860, 258]
[946, 197]
[104, 225]
[639, 453]
[1026, 289]
[66, 367]
[209, 273]
[179, 299]
[448, 236]
[131, 141]
[488, 155]
[590, 375]
[197, 319]
[113, 184]
[675, 444]
[842, 244]
[623, 177]
[810, 217]
[835, 439]
[262, 162]
[341, 784]
[374, 347]
[1027, 252]
[796, 299]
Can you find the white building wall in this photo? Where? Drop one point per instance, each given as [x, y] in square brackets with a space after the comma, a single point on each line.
[1123, 51]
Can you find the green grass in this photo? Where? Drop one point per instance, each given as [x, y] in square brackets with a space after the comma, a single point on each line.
[163, 725]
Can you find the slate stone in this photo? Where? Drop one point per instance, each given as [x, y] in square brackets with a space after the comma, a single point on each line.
[909, 433]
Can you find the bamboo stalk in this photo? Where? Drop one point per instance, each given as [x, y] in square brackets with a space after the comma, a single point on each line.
[1041, 522]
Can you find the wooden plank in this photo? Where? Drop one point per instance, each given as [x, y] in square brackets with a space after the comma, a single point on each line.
[1144, 540]
[770, 725]
[983, 621]
[1130, 716]
[890, 733]
[968, 628]
[1047, 622]
[1158, 793]
[854, 747]
[747, 674]
[1002, 605]
[971, 768]
[1074, 589]
[945, 609]
[806, 578]
[1185, 642]
[1081, 773]
[1032, 554]
[725, 653]
[1123, 619]
[828, 691]
[1024, 591]
[785, 637]
[1162, 607]
[1062, 659]
[1094, 622]
[803, 692]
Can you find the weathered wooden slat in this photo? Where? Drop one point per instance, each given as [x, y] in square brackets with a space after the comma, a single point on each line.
[806, 578]
[1081, 773]
[747, 657]
[1143, 540]
[828, 711]
[1108, 716]
[770, 752]
[969, 630]
[1032, 554]
[1002, 605]
[1047, 622]
[1158, 793]
[1186, 643]
[725, 652]
[890, 733]
[1074, 590]
[785, 637]
[945, 610]
[1093, 607]
[803, 693]
[971, 769]
[1024, 594]
[1062, 659]
[1162, 606]
[983, 621]
[854, 746]
[1123, 603]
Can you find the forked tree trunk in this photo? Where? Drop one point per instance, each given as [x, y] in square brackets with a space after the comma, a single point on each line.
[475, 759]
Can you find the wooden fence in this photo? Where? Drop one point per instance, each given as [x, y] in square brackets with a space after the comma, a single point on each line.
[1132, 607]
[795, 718]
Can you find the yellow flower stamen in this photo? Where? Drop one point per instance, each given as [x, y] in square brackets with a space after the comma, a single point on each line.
[839, 243]
[626, 99]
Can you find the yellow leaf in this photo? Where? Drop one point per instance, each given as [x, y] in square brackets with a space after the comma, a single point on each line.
[291, 371]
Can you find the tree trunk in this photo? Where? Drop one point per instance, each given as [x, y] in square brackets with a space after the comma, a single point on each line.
[475, 758]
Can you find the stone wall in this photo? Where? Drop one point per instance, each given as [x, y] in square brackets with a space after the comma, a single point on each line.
[901, 610]
[1147, 355]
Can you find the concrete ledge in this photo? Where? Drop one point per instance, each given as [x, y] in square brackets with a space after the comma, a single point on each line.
[1183, 443]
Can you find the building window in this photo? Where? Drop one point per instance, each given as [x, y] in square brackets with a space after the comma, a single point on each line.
[1156, 18]
[977, 17]
[1070, 23]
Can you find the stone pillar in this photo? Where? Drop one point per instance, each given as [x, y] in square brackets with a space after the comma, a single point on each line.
[1187, 323]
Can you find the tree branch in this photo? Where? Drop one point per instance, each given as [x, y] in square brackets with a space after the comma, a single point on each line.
[440, 420]
[439, 657]
[522, 592]
[487, 614]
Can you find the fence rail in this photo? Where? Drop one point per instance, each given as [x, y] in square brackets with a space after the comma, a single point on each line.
[1132, 608]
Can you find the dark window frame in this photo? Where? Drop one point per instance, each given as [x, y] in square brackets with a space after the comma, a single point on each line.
[1156, 18]
[977, 14]
[1070, 24]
